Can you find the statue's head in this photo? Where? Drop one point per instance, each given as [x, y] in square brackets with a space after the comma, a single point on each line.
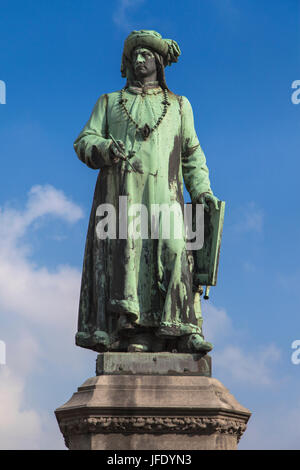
[150, 49]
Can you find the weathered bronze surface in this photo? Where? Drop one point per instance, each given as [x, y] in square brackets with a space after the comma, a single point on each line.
[163, 363]
[142, 294]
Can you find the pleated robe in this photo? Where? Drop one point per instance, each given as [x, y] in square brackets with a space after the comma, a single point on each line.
[150, 280]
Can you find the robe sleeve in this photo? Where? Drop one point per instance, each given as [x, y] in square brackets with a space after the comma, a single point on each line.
[194, 169]
[92, 146]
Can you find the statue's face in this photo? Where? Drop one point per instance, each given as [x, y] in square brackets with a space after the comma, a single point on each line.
[143, 61]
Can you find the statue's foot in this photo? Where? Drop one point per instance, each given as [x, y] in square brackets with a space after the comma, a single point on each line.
[140, 343]
[194, 343]
[98, 341]
[125, 326]
[120, 345]
[138, 348]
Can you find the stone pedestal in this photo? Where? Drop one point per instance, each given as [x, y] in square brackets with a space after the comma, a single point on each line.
[152, 401]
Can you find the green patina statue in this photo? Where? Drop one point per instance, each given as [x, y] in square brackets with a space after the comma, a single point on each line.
[139, 293]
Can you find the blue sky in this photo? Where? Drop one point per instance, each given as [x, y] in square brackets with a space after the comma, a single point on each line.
[239, 60]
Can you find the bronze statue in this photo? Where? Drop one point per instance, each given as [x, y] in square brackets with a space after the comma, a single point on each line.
[138, 294]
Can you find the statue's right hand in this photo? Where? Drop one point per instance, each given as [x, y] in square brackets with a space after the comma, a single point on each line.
[115, 153]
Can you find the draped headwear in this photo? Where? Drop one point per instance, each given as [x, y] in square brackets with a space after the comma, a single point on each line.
[166, 48]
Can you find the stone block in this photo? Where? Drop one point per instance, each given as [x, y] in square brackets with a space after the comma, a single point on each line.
[131, 411]
[164, 363]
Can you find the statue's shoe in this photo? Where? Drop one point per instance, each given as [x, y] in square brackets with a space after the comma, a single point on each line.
[140, 343]
[194, 343]
[98, 341]
[138, 348]
[125, 326]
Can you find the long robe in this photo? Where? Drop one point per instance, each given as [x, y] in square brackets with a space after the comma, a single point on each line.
[150, 280]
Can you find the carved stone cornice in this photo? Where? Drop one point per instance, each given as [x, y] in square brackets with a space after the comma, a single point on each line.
[152, 425]
[152, 411]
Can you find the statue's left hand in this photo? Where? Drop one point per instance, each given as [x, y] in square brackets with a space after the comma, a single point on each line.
[208, 199]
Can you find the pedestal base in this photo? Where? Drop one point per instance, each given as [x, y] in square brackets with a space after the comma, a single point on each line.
[151, 412]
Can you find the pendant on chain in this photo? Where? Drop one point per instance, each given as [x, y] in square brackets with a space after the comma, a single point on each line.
[145, 131]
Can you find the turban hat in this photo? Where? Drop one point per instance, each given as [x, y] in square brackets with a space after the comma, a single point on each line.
[167, 48]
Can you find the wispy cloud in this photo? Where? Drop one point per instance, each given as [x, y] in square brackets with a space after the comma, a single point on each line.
[42, 201]
[289, 281]
[227, 8]
[20, 428]
[246, 368]
[121, 16]
[23, 427]
[251, 218]
[274, 428]
[38, 310]
[29, 290]
[233, 363]
[217, 324]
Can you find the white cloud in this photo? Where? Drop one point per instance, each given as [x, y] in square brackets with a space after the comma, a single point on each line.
[246, 368]
[42, 201]
[273, 428]
[45, 200]
[121, 15]
[23, 352]
[21, 427]
[217, 324]
[38, 309]
[35, 292]
[234, 364]
[42, 296]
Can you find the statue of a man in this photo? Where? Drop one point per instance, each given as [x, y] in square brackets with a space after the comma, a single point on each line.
[137, 293]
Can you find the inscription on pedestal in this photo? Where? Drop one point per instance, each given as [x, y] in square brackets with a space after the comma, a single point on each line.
[153, 364]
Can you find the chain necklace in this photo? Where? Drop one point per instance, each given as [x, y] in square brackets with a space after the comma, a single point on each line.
[146, 130]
